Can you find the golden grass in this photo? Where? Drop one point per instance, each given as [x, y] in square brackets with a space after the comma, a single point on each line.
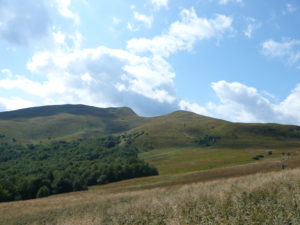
[263, 198]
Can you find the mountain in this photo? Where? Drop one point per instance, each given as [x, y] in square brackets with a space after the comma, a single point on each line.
[179, 128]
[67, 122]
[183, 128]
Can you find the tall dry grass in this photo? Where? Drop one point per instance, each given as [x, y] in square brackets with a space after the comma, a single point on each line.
[261, 199]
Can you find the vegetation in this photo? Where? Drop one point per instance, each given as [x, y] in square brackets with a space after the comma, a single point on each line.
[271, 198]
[187, 159]
[176, 129]
[30, 171]
[101, 146]
[74, 121]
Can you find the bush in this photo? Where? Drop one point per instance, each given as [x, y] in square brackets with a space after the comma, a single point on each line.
[258, 157]
[43, 192]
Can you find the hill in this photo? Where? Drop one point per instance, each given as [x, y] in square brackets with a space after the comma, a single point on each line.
[66, 122]
[181, 128]
[55, 149]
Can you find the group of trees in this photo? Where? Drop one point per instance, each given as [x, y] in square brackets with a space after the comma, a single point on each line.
[32, 171]
[208, 140]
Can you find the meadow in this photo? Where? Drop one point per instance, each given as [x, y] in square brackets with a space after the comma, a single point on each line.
[187, 159]
[263, 198]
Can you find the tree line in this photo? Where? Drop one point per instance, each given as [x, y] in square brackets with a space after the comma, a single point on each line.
[39, 170]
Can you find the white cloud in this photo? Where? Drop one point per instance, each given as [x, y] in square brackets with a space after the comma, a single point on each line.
[183, 34]
[131, 27]
[24, 21]
[28, 22]
[291, 105]
[160, 3]
[248, 32]
[287, 50]
[101, 76]
[13, 103]
[147, 20]
[252, 26]
[224, 2]
[241, 103]
[116, 20]
[107, 77]
[193, 107]
[64, 9]
[290, 8]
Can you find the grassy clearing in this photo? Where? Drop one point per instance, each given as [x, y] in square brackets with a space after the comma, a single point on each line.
[271, 198]
[179, 160]
[172, 180]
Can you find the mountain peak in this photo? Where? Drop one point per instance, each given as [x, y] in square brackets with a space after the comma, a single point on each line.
[51, 110]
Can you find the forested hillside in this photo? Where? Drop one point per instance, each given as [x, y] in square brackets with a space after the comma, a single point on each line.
[30, 171]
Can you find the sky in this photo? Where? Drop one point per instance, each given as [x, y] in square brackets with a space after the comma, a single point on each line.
[237, 60]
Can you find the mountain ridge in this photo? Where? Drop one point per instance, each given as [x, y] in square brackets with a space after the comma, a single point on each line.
[179, 128]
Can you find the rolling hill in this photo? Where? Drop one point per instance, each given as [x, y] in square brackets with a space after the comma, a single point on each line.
[179, 128]
[66, 122]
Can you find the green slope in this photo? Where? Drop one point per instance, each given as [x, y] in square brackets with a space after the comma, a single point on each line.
[67, 122]
[180, 128]
[189, 129]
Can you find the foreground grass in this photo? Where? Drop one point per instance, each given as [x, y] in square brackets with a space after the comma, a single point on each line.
[270, 198]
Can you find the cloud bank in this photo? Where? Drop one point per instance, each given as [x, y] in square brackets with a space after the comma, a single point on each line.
[108, 77]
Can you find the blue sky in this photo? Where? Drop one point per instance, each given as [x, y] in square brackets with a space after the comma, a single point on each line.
[237, 60]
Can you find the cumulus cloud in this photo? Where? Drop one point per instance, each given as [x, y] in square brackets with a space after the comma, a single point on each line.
[101, 76]
[22, 21]
[289, 8]
[183, 34]
[287, 50]
[252, 26]
[131, 27]
[224, 2]
[160, 3]
[193, 107]
[241, 103]
[107, 77]
[116, 20]
[291, 106]
[147, 20]
[63, 7]
[29, 22]
[14, 102]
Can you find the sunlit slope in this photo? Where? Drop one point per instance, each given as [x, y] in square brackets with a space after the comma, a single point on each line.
[67, 121]
[178, 129]
[183, 128]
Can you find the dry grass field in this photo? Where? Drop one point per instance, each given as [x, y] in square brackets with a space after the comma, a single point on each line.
[202, 197]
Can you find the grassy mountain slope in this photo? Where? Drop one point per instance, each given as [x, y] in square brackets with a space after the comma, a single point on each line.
[180, 128]
[183, 128]
[67, 121]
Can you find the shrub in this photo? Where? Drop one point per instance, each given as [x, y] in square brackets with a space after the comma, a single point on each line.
[43, 192]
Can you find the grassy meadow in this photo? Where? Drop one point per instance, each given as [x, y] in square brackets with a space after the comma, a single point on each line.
[187, 159]
[263, 198]
[195, 186]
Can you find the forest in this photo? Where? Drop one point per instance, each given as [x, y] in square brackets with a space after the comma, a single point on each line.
[38, 170]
